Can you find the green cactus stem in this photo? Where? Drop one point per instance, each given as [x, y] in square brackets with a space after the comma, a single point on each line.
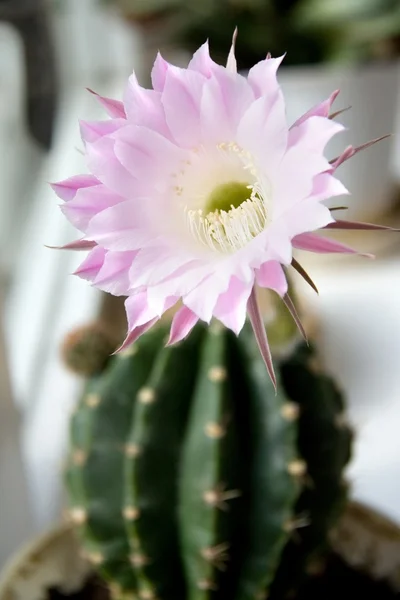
[191, 479]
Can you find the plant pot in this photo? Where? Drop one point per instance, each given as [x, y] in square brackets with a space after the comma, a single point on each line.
[366, 557]
[372, 92]
[51, 561]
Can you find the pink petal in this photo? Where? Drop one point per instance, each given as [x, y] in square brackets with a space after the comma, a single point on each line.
[316, 243]
[87, 203]
[308, 215]
[319, 110]
[81, 244]
[271, 275]
[350, 151]
[114, 108]
[338, 224]
[232, 305]
[294, 178]
[159, 73]
[103, 162]
[202, 62]
[92, 264]
[292, 309]
[262, 77]
[182, 324]
[135, 334]
[326, 186]
[144, 107]
[231, 63]
[215, 124]
[147, 154]
[260, 334]
[203, 298]
[66, 190]
[122, 227]
[91, 131]
[181, 99]
[237, 94]
[313, 134]
[113, 276]
[263, 131]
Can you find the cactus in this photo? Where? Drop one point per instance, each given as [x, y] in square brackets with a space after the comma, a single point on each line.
[190, 479]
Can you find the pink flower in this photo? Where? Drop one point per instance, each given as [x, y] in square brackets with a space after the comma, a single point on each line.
[199, 191]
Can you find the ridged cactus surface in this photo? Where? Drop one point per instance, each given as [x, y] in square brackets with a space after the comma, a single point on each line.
[190, 479]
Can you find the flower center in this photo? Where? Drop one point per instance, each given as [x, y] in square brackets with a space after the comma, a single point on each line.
[227, 196]
[234, 214]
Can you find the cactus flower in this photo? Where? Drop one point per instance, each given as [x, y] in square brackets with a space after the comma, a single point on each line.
[198, 192]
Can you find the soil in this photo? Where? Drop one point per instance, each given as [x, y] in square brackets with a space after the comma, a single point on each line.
[338, 580]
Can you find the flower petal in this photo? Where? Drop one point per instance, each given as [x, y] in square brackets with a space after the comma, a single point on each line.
[159, 73]
[91, 131]
[135, 334]
[67, 189]
[92, 264]
[316, 243]
[231, 63]
[114, 108]
[358, 225]
[261, 335]
[81, 244]
[271, 275]
[87, 203]
[319, 110]
[182, 324]
[103, 162]
[181, 99]
[144, 107]
[113, 276]
[262, 77]
[231, 306]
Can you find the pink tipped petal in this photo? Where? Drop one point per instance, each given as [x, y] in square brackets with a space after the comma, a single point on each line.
[81, 244]
[301, 271]
[231, 63]
[87, 203]
[307, 216]
[135, 334]
[326, 186]
[121, 227]
[271, 275]
[181, 98]
[262, 77]
[67, 189]
[203, 298]
[263, 131]
[91, 131]
[260, 334]
[159, 73]
[103, 162]
[320, 110]
[92, 264]
[202, 62]
[114, 108]
[143, 107]
[292, 309]
[357, 225]
[350, 151]
[321, 245]
[113, 276]
[182, 324]
[313, 134]
[232, 304]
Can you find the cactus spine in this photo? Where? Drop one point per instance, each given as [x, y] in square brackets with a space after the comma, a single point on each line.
[189, 479]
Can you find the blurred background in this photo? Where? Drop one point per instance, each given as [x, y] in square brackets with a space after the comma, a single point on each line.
[50, 52]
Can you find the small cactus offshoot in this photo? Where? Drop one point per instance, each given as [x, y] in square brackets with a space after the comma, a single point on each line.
[190, 479]
[87, 349]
